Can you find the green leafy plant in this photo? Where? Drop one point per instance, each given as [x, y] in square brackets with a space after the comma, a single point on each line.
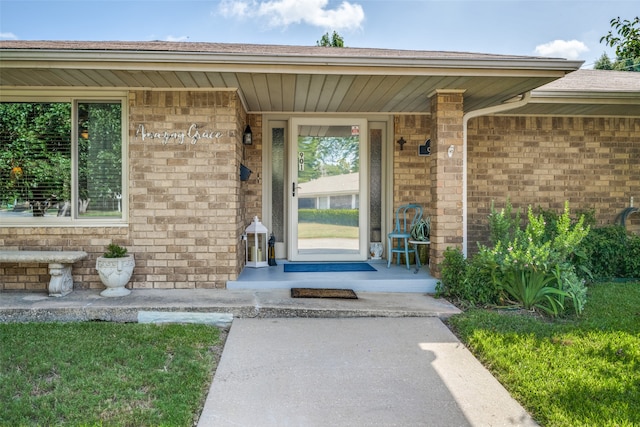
[534, 268]
[503, 224]
[467, 281]
[533, 289]
[115, 251]
[421, 230]
[611, 252]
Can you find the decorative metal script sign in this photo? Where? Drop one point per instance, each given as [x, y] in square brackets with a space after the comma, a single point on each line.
[192, 135]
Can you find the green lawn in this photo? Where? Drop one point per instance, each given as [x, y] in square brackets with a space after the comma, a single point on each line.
[567, 372]
[105, 373]
[311, 230]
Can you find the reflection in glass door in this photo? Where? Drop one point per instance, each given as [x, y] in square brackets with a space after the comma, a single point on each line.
[328, 190]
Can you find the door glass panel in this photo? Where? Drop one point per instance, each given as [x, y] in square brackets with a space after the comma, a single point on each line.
[328, 189]
[375, 182]
[277, 183]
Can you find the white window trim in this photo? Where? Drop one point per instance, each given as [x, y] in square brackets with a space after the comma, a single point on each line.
[75, 97]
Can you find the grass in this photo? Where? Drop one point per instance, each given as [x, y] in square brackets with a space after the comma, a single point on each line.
[567, 372]
[105, 373]
[312, 230]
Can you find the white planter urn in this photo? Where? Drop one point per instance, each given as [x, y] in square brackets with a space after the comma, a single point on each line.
[115, 273]
[375, 249]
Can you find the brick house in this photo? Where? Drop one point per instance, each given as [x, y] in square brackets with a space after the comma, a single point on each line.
[537, 130]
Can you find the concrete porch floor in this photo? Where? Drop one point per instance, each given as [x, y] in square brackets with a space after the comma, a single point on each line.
[396, 279]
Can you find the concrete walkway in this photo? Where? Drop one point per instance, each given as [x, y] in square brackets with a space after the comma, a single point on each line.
[384, 359]
[353, 372]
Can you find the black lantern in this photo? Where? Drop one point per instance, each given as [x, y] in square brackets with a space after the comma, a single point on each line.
[246, 136]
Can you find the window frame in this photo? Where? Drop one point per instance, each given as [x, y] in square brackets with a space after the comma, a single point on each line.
[75, 98]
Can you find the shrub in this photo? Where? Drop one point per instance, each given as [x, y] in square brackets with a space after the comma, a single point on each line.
[534, 268]
[468, 282]
[612, 253]
[632, 258]
[503, 225]
[453, 271]
[348, 217]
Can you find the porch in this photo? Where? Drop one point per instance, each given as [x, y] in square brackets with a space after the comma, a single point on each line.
[395, 279]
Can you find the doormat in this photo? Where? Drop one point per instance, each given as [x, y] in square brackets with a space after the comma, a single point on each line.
[323, 293]
[327, 267]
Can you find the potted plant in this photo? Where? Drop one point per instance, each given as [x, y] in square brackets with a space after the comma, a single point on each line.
[115, 268]
[420, 231]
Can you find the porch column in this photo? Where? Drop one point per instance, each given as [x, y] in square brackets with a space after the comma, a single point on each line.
[446, 174]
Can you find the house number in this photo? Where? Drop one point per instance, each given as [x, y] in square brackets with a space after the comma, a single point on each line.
[301, 161]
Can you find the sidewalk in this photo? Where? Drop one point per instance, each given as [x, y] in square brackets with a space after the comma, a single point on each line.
[353, 372]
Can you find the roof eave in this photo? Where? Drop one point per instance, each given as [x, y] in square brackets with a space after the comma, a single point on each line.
[141, 57]
[563, 96]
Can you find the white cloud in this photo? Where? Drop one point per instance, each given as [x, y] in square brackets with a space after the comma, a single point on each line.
[8, 36]
[570, 49]
[281, 13]
[176, 39]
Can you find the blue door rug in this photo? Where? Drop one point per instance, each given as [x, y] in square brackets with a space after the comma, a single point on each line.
[327, 267]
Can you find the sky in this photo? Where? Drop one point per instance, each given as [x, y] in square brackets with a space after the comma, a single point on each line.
[568, 29]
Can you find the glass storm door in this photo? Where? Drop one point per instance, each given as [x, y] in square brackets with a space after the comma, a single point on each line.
[328, 190]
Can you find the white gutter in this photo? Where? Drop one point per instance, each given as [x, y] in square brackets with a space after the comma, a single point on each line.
[465, 119]
[474, 64]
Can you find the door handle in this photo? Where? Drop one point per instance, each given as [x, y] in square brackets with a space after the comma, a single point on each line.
[293, 189]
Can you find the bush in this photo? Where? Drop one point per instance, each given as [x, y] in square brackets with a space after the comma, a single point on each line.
[612, 253]
[534, 268]
[453, 271]
[347, 217]
[468, 282]
[632, 258]
[531, 267]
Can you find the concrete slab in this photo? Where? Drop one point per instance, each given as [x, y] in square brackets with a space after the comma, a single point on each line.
[353, 372]
[84, 305]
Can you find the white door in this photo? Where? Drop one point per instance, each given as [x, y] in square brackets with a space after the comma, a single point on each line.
[328, 189]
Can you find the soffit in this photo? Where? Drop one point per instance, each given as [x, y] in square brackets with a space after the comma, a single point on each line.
[273, 79]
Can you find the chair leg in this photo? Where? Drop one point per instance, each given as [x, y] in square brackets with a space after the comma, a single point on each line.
[406, 253]
[389, 252]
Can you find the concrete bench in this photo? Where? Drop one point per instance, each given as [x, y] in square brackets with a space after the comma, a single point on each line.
[60, 263]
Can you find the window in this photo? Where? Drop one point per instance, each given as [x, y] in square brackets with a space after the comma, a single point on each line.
[61, 162]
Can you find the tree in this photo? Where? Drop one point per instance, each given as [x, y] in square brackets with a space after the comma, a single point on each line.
[335, 41]
[35, 154]
[625, 37]
[603, 63]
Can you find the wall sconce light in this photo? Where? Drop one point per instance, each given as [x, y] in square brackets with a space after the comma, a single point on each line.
[247, 136]
[450, 151]
[425, 150]
[401, 141]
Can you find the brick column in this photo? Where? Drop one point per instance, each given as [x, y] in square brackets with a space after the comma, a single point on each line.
[446, 174]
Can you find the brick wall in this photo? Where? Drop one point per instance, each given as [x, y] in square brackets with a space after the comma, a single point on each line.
[186, 206]
[594, 163]
[411, 172]
[252, 189]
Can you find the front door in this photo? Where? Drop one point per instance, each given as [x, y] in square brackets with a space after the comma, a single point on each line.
[328, 190]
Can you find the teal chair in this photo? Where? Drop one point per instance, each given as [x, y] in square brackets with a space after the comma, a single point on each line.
[406, 217]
